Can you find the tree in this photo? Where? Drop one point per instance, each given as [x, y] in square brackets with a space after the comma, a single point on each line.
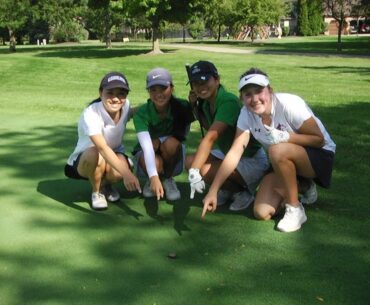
[218, 14]
[13, 16]
[303, 22]
[102, 17]
[339, 10]
[183, 11]
[362, 8]
[257, 14]
[62, 16]
[196, 26]
[155, 11]
[315, 17]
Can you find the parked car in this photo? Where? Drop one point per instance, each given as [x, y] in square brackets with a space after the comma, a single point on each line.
[353, 26]
[364, 26]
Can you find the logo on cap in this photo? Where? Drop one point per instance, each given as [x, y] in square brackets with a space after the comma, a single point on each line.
[116, 77]
[195, 70]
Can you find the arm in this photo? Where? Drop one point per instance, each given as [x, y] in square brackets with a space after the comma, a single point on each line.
[205, 146]
[130, 181]
[228, 165]
[309, 135]
[149, 157]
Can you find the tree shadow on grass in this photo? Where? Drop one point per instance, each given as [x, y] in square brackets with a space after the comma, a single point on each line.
[73, 192]
[85, 51]
[104, 260]
[362, 71]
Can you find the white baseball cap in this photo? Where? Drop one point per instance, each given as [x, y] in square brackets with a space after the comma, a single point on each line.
[256, 79]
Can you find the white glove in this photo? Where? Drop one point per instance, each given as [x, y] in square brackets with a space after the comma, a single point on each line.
[275, 136]
[196, 182]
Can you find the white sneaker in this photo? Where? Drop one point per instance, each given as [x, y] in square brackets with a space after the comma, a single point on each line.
[241, 201]
[147, 192]
[310, 196]
[110, 193]
[293, 218]
[171, 190]
[223, 196]
[98, 201]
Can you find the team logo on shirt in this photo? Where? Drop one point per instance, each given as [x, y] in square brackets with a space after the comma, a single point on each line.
[281, 127]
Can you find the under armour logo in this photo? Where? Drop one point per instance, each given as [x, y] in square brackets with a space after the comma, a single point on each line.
[257, 129]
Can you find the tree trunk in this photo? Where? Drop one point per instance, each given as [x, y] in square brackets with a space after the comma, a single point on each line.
[219, 33]
[340, 27]
[252, 34]
[155, 42]
[12, 41]
[183, 33]
[108, 41]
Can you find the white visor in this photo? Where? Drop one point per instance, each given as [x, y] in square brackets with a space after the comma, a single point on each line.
[256, 79]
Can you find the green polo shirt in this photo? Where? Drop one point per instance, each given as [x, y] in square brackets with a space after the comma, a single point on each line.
[146, 118]
[227, 109]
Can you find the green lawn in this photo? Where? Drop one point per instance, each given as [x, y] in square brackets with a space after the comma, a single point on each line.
[55, 250]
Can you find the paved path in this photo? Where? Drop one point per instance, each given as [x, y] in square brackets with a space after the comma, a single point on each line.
[210, 49]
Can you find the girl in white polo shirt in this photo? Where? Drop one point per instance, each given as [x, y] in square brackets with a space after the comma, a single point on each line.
[298, 145]
[99, 154]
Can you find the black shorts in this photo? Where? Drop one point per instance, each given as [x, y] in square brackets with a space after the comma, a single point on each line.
[322, 162]
[71, 170]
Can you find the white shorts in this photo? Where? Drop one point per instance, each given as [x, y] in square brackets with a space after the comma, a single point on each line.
[179, 167]
[252, 169]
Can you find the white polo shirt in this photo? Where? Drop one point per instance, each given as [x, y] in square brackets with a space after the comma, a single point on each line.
[95, 120]
[288, 114]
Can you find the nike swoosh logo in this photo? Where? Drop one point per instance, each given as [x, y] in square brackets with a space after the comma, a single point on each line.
[156, 76]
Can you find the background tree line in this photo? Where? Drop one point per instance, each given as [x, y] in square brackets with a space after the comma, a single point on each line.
[75, 20]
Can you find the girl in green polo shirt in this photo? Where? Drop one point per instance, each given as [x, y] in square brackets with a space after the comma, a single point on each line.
[161, 126]
[218, 111]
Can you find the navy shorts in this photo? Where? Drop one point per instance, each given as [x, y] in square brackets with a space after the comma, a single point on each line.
[71, 170]
[322, 162]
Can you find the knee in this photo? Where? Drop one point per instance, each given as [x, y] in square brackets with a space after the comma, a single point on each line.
[170, 147]
[90, 158]
[277, 153]
[262, 213]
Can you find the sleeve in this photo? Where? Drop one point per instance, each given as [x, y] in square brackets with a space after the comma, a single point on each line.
[242, 123]
[228, 112]
[149, 156]
[91, 122]
[296, 111]
[141, 119]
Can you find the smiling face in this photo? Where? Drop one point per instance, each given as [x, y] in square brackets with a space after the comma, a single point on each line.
[206, 89]
[160, 95]
[257, 99]
[113, 99]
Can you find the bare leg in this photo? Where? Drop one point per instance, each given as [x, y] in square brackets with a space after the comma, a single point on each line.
[270, 197]
[92, 166]
[171, 153]
[288, 160]
[111, 175]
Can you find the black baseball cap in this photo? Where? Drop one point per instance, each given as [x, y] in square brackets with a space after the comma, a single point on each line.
[202, 70]
[114, 80]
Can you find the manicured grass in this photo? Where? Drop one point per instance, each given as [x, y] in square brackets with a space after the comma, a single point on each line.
[55, 250]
